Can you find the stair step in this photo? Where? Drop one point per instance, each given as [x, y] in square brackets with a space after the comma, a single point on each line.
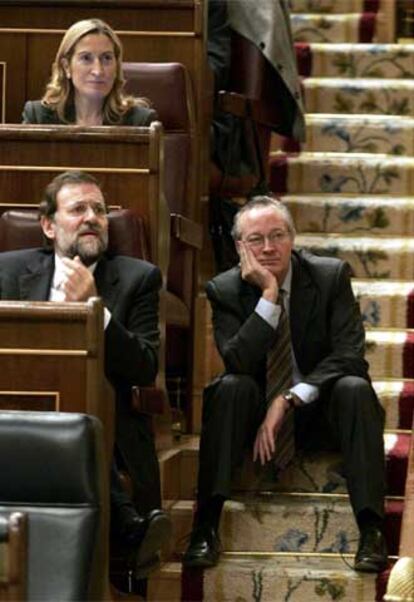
[281, 522]
[329, 7]
[355, 173]
[397, 398]
[277, 578]
[164, 585]
[385, 134]
[359, 96]
[178, 470]
[352, 213]
[369, 256]
[386, 303]
[317, 471]
[390, 353]
[322, 472]
[268, 578]
[350, 27]
[356, 60]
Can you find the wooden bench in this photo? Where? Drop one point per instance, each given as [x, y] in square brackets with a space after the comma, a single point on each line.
[43, 345]
[150, 30]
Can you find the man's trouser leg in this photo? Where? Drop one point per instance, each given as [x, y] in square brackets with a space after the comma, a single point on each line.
[232, 409]
[357, 420]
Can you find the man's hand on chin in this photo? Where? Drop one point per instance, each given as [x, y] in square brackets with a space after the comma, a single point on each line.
[79, 284]
[254, 273]
[264, 445]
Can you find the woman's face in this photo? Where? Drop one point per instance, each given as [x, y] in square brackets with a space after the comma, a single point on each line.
[92, 67]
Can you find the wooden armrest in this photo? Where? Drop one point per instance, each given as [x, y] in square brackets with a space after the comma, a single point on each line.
[186, 230]
[249, 108]
[149, 400]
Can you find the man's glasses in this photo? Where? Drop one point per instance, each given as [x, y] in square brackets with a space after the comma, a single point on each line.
[274, 238]
[80, 209]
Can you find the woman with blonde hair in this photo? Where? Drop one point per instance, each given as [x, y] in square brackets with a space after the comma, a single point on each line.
[86, 86]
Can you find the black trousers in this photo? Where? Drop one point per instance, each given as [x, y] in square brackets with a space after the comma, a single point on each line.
[349, 419]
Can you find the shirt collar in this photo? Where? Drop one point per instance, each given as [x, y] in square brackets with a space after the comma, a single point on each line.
[287, 283]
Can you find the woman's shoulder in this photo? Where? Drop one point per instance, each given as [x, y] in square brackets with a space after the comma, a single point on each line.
[140, 116]
[36, 112]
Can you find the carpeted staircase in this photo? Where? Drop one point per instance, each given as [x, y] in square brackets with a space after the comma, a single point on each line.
[351, 191]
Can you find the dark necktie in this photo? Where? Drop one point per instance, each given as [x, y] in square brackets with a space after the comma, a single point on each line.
[279, 378]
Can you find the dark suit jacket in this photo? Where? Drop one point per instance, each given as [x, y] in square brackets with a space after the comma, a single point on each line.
[129, 289]
[35, 112]
[326, 327]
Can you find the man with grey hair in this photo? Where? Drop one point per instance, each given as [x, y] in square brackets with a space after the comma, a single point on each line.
[286, 304]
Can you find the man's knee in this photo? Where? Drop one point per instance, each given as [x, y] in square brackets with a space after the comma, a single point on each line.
[231, 390]
[354, 391]
[349, 385]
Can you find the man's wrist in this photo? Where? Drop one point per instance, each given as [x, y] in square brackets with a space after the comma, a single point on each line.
[291, 399]
[270, 294]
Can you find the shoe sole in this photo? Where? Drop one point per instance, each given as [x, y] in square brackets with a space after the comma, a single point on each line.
[199, 564]
[365, 566]
[156, 535]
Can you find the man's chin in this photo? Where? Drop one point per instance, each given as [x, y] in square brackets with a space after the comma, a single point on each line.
[90, 253]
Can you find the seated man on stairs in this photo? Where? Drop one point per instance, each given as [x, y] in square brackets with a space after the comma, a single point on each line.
[75, 267]
[290, 334]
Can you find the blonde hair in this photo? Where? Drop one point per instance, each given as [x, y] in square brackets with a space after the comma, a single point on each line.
[59, 90]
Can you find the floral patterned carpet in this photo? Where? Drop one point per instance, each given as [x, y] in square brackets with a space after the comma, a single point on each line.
[350, 189]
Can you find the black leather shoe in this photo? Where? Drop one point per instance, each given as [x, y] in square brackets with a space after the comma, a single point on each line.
[371, 556]
[204, 548]
[145, 536]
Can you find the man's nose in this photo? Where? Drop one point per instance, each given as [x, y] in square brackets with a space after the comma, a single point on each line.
[90, 214]
[267, 245]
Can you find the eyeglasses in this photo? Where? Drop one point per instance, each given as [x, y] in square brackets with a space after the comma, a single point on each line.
[274, 238]
[80, 209]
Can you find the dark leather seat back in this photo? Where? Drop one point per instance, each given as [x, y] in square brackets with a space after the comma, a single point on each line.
[167, 87]
[52, 469]
[127, 232]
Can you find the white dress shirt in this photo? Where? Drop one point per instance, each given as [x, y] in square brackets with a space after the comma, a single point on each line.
[59, 277]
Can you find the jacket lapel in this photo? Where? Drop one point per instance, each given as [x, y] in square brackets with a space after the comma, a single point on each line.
[35, 283]
[302, 304]
[106, 279]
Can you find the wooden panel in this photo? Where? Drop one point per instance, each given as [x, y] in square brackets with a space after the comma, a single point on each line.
[13, 56]
[171, 15]
[150, 31]
[43, 345]
[2, 92]
[13, 557]
[127, 161]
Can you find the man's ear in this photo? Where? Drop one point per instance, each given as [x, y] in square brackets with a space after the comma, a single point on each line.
[237, 245]
[48, 227]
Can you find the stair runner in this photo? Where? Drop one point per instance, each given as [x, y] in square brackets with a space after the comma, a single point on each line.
[350, 189]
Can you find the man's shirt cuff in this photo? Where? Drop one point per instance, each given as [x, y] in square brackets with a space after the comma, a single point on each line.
[107, 317]
[270, 312]
[306, 393]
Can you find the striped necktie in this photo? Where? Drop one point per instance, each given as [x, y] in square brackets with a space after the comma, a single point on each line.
[279, 378]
